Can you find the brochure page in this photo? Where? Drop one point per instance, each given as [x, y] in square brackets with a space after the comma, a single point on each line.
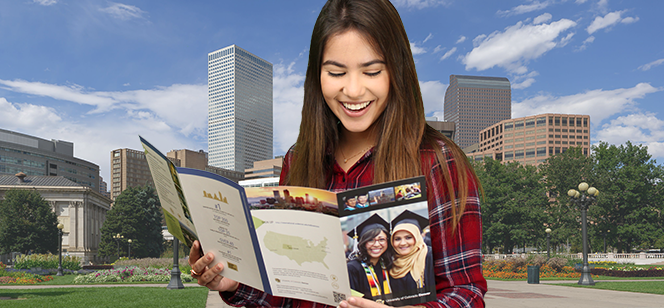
[220, 212]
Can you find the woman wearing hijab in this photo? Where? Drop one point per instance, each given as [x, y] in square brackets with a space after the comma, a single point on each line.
[412, 275]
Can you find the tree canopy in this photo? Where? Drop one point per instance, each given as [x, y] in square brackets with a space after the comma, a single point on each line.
[136, 215]
[27, 223]
[522, 201]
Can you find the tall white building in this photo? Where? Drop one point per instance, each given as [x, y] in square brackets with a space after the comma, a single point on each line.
[239, 108]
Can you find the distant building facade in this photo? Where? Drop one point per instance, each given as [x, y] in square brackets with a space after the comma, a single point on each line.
[265, 169]
[446, 128]
[239, 108]
[81, 209]
[40, 157]
[531, 140]
[130, 168]
[474, 103]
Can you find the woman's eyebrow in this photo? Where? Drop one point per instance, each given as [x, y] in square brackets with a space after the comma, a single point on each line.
[335, 63]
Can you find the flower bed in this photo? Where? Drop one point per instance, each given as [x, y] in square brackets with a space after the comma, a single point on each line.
[516, 268]
[20, 277]
[130, 274]
[629, 271]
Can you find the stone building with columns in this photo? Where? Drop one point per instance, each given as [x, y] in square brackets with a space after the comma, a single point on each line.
[81, 209]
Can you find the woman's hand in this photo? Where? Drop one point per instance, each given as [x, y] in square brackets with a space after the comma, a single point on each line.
[209, 277]
[360, 302]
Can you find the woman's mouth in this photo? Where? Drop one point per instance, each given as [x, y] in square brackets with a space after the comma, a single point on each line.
[356, 106]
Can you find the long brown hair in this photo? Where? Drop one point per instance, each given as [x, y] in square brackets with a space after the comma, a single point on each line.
[401, 129]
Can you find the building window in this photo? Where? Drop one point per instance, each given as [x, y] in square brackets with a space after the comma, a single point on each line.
[556, 121]
[564, 121]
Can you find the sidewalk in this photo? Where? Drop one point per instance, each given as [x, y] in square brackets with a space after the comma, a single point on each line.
[517, 294]
[501, 294]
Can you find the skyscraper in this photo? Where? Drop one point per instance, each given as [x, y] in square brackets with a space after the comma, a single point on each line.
[475, 103]
[239, 108]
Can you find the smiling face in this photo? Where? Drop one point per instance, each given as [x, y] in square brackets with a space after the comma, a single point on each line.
[354, 81]
[351, 202]
[362, 199]
[403, 242]
[376, 247]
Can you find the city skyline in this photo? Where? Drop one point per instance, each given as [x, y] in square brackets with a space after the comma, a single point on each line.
[99, 73]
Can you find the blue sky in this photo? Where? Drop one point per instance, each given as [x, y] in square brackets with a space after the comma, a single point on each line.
[98, 73]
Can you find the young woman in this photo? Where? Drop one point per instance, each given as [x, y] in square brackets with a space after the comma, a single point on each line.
[363, 123]
[410, 274]
[369, 265]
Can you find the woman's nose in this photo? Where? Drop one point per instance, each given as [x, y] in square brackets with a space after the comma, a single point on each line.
[354, 88]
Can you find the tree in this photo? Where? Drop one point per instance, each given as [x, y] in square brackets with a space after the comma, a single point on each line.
[27, 223]
[561, 173]
[136, 215]
[630, 200]
[514, 202]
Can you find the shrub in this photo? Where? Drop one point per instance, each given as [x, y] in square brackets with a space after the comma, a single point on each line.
[557, 263]
[537, 260]
[130, 274]
[47, 261]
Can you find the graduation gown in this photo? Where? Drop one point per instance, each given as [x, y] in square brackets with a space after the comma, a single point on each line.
[406, 285]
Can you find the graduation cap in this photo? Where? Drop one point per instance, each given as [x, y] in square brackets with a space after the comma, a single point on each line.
[373, 222]
[410, 218]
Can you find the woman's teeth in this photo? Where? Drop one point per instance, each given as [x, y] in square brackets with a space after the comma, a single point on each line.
[356, 107]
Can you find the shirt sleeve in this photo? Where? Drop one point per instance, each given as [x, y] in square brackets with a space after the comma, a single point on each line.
[457, 254]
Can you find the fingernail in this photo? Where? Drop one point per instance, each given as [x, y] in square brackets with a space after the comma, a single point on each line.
[208, 257]
[220, 267]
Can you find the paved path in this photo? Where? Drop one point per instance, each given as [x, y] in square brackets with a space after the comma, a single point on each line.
[517, 294]
[501, 294]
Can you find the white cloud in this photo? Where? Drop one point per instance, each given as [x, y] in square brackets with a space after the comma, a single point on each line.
[419, 4]
[650, 65]
[514, 47]
[525, 8]
[123, 11]
[288, 95]
[164, 102]
[433, 95]
[638, 128]
[416, 50]
[45, 2]
[629, 20]
[586, 42]
[430, 36]
[438, 49]
[542, 18]
[461, 40]
[524, 81]
[448, 53]
[603, 5]
[609, 20]
[599, 104]
[580, 1]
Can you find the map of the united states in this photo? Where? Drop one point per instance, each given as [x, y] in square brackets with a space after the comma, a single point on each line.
[296, 248]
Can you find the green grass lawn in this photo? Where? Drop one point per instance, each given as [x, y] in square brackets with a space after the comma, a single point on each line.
[653, 287]
[105, 297]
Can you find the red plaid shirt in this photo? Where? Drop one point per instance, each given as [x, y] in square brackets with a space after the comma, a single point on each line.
[457, 256]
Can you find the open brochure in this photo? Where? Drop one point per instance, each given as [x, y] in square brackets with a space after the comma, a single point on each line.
[304, 243]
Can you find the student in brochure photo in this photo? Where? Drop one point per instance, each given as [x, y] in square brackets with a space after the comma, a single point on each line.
[409, 274]
[371, 260]
[363, 123]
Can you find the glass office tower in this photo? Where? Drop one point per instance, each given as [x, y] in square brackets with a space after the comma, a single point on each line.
[239, 109]
[475, 103]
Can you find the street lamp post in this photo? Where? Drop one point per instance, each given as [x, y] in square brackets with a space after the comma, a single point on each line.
[176, 281]
[117, 238]
[129, 254]
[60, 227]
[548, 241]
[583, 199]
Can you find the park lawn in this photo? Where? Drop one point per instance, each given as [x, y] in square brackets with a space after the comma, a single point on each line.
[105, 297]
[652, 287]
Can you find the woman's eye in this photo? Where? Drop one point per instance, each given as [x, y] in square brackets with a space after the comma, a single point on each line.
[372, 74]
[336, 74]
